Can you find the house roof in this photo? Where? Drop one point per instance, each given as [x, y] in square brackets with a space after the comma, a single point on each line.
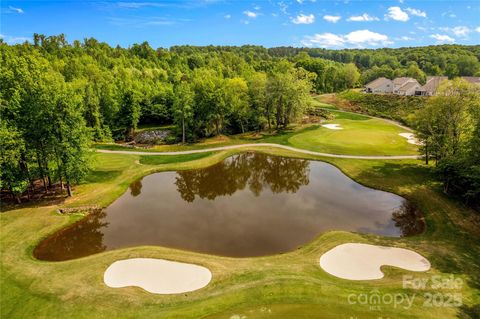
[402, 80]
[472, 79]
[432, 83]
[378, 82]
[407, 86]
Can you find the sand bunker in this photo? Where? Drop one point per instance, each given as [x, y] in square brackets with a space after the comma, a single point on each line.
[333, 126]
[157, 276]
[363, 261]
[410, 138]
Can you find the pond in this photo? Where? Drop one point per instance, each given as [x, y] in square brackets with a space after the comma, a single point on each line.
[250, 204]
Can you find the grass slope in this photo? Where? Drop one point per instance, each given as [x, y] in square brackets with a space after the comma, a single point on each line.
[362, 135]
[281, 286]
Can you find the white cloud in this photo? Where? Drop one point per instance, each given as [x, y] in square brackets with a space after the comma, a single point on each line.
[14, 40]
[138, 5]
[332, 19]
[364, 17]
[304, 19]
[357, 39]
[461, 31]
[15, 10]
[417, 12]
[405, 38]
[283, 7]
[250, 14]
[227, 16]
[442, 38]
[397, 14]
[477, 29]
[361, 37]
[324, 40]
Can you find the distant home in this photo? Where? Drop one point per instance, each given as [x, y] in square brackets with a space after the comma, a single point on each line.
[472, 79]
[408, 86]
[431, 86]
[380, 85]
[405, 86]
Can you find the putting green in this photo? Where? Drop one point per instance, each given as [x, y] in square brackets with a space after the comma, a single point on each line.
[360, 135]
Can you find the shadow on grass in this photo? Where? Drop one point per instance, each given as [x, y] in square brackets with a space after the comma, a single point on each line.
[100, 176]
[467, 312]
[398, 174]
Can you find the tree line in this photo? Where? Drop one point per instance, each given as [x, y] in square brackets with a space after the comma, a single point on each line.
[417, 62]
[449, 127]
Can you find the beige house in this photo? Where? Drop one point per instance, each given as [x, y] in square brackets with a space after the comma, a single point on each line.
[472, 79]
[430, 88]
[380, 85]
[399, 82]
[409, 88]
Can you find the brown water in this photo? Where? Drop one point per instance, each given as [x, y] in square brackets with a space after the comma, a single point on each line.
[248, 205]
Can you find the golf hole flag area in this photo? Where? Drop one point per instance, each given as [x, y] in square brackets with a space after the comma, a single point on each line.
[362, 261]
[157, 276]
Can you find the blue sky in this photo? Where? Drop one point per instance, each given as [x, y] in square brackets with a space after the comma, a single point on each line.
[312, 23]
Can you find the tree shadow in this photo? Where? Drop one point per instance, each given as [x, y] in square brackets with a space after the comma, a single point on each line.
[101, 176]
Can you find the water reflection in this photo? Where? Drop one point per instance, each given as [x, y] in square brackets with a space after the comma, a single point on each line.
[279, 174]
[81, 239]
[248, 205]
[409, 219]
[136, 188]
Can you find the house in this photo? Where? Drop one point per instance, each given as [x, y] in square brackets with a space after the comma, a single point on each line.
[472, 79]
[430, 88]
[380, 85]
[401, 81]
[409, 88]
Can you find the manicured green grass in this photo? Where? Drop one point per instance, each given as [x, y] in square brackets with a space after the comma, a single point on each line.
[290, 285]
[360, 135]
[167, 159]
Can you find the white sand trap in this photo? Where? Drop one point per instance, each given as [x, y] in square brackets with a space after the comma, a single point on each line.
[333, 126]
[363, 261]
[157, 276]
[410, 138]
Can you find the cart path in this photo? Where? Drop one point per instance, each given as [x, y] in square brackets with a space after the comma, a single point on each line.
[251, 145]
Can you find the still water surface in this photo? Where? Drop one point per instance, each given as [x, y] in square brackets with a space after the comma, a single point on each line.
[250, 204]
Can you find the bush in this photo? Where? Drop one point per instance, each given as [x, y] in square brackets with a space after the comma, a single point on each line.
[171, 139]
[395, 107]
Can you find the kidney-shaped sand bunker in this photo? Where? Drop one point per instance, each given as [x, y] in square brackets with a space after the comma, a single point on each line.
[362, 261]
[157, 276]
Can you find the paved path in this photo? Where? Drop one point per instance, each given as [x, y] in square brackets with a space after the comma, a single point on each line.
[289, 148]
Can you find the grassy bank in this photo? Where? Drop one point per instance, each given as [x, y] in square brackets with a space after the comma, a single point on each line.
[361, 135]
[394, 107]
[281, 286]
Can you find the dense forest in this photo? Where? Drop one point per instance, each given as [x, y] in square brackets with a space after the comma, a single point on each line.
[56, 97]
[416, 62]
